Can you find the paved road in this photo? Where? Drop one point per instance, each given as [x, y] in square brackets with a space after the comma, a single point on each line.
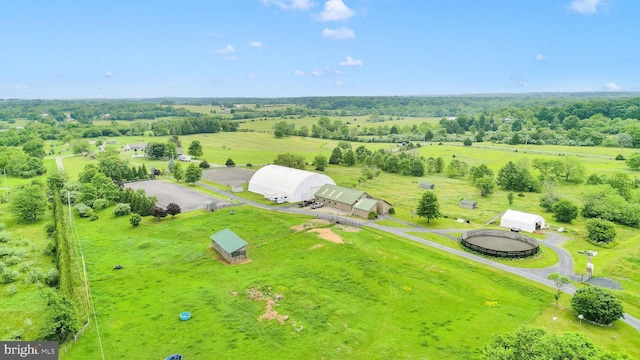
[564, 265]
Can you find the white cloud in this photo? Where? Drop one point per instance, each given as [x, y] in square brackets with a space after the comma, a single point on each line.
[341, 33]
[230, 58]
[611, 86]
[523, 83]
[255, 44]
[540, 57]
[226, 50]
[291, 4]
[339, 83]
[108, 73]
[586, 6]
[20, 88]
[335, 10]
[299, 73]
[317, 72]
[251, 76]
[349, 61]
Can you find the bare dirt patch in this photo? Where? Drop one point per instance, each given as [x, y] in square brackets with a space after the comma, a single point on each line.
[310, 224]
[327, 234]
[269, 312]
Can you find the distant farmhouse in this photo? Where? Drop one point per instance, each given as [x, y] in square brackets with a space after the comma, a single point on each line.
[356, 202]
[135, 147]
[229, 245]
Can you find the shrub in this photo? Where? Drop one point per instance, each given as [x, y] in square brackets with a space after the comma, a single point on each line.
[122, 209]
[34, 275]
[3, 226]
[9, 276]
[12, 260]
[467, 142]
[100, 204]
[135, 219]
[94, 217]
[230, 163]
[372, 215]
[620, 157]
[597, 305]
[204, 164]
[564, 211]
[62, 318]
[392, 211]
[84, 210]
[5, 236]
[52, 278]
[11, 290]
[50, 229]
[599, 230]
[158, 212]
[173, 209]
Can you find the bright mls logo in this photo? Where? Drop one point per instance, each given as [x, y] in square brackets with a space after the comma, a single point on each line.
[33, 350]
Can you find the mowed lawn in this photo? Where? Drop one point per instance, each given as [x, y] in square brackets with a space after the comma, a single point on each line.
[374, 296]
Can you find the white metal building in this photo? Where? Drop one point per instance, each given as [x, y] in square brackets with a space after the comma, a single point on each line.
[520, 220]
[296, 185]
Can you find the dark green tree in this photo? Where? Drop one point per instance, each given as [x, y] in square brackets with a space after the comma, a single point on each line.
[599, 230]
[486, 185]
[290, 160]
[428, 206]
[529, 343]
[320, 162]
[34, 148]
[633, 161]
[597, 305]
[193, 174]
[230, 163]
[336, 156]
[195, 149]
[28, 202]
[177, 171]
[564, 211]
[348, 157]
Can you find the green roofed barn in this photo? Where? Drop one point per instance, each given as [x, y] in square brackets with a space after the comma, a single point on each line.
[355, 202]
[229, 245]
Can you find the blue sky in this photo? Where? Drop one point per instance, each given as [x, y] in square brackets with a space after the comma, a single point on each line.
[289, 48]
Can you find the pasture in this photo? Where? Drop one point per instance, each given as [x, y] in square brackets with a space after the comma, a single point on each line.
[373, 296]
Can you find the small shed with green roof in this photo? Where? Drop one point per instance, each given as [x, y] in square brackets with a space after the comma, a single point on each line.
[229, 245]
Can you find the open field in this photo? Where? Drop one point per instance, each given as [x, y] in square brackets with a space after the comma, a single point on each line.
[342, 300]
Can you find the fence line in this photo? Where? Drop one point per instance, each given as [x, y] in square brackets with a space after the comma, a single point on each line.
[339, 220]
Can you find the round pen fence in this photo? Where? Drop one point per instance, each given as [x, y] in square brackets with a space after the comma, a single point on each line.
[500, 243]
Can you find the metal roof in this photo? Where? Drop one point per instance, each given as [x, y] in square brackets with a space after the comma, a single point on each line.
[339, 194]
[366, 204]
[228, 240]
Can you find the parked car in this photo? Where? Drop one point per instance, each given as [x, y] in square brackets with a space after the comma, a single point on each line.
[317, 205]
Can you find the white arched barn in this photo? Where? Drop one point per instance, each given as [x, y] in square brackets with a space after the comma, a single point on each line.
[285, 184]
[522, 221]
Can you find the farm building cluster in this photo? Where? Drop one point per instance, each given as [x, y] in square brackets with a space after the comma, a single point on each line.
[283, 184]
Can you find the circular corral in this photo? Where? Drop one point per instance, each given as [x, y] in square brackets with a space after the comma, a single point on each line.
[500, 243]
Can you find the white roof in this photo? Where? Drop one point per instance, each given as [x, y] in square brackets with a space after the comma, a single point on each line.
[521, 216]
[296, 184]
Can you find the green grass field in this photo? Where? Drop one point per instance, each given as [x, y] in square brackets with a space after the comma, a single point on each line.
[372, 297]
